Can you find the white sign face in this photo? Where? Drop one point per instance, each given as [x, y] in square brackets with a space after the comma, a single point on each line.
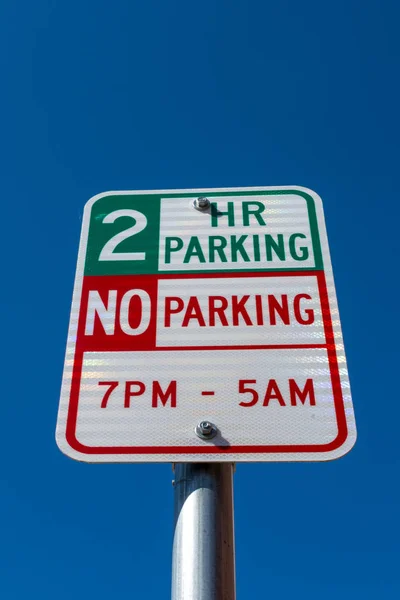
[205, 333]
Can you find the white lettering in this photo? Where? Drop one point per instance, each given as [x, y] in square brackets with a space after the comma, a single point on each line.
[106, 314]
[124, 312]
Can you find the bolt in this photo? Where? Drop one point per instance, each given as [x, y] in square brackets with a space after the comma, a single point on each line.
[201, 203]
[206, 430]
[205, 427]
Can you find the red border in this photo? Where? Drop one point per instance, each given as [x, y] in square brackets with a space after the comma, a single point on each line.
[226, 450]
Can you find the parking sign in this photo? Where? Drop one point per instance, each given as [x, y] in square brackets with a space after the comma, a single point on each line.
[204, 327]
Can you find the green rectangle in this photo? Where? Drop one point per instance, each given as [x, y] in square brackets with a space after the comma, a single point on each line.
[144, 241]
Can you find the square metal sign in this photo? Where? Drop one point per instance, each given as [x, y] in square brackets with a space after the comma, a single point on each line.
[205, 327]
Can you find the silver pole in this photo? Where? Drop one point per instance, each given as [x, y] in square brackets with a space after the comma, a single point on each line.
[203, 557]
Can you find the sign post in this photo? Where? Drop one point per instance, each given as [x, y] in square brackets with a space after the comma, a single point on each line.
[205, 331]
[203, 555]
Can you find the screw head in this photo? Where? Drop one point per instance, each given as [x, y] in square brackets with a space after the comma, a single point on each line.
[206, 430]
[205, 427]
[201, 203]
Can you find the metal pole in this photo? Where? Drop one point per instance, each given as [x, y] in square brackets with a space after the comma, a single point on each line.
[203, 558]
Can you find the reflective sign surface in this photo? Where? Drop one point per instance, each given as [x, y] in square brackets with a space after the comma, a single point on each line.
[204, 327]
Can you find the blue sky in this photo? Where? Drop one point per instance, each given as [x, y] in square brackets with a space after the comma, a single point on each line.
[149, 95]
